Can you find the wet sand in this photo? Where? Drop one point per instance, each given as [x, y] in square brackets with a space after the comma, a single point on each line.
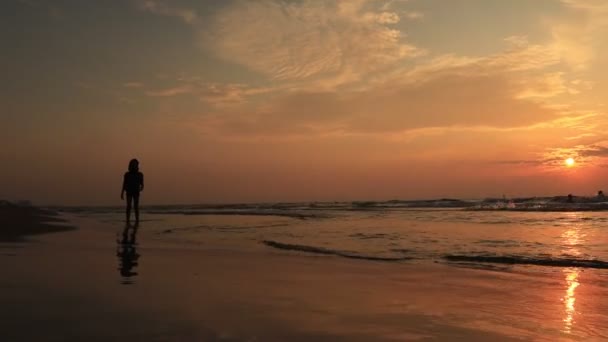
[87, 284]
[17, 222]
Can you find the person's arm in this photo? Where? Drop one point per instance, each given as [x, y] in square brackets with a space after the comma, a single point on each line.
[122, 191]
[141, 185]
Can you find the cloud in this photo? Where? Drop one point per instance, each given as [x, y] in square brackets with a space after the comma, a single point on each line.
[168, 92]
[343, 68]
[509, 90]
[412, 15]
[225, 94]
[390, 110]
[520, 162]
[521, 62]
[133, 85]
[596, 6]
[159, 7]
[218, 94]
[382, 17]
[576, 35]
[546, 86]
[596, 150]
[552, 158]
[300, 40]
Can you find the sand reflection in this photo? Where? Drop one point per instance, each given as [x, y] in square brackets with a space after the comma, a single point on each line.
[127, 254]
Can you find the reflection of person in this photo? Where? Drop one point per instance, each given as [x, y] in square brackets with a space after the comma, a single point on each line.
[127, 254]
[133, 184]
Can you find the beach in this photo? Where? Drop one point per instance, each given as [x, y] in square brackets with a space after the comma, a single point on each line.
[18, 221]
[89, 284]
[304, 170]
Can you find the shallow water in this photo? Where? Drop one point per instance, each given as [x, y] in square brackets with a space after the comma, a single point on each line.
[559, 239]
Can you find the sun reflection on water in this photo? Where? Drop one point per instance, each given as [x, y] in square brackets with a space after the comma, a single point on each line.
[569, 298]
[572, 239]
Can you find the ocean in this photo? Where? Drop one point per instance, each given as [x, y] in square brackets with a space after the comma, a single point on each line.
[490, 233]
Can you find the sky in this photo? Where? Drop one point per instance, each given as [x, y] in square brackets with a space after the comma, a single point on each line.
[304, 100]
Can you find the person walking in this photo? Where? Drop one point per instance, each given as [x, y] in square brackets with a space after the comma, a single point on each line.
[133, 185]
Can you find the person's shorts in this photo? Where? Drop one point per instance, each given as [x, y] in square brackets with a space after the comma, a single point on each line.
[134, 195]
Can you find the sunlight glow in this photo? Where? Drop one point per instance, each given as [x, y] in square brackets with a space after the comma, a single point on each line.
[569, 162]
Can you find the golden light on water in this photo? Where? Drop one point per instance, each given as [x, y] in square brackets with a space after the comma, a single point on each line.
[572, 238]
[569, 298]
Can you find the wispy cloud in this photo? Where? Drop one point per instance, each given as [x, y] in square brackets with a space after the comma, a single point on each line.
[596, 6]
[301, 40]
[595, 154]
[546, 86]
[218, 94]
[576, 36]
[133, 85]
[465, 104]
[160, 7]
[413, 15]
[555, 157]
[167, 92]
[347, 67]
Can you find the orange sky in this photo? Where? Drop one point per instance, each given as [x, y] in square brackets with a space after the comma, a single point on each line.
[244, 101]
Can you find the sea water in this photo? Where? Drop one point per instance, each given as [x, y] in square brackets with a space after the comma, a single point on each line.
[444, 231]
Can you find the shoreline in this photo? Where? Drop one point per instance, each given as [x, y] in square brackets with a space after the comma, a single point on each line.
[20, 222]
[90, 285]
[183, 294]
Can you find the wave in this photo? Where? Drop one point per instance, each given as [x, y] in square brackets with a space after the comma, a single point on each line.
[396, 204]
[470, 259]
[326, 251]
[520, 260]
[291, 214]
[201, 210]
[305, 210]
[371, 236]
[545, 204]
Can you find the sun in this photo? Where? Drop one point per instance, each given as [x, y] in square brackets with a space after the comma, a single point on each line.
[569, 162]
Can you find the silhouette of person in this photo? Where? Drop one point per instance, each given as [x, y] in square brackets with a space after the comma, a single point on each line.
[133, 184]
[127, 254]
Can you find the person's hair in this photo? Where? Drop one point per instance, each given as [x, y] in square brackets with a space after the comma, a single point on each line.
[133, 165]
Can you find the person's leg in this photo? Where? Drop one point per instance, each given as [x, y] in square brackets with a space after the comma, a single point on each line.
[125, 234]
[129, 203]
[136, 204]
[133, 234]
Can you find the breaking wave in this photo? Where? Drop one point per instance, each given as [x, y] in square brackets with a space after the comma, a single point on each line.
[456, 258]
[326, 251]
[315, 210]
[520, 260]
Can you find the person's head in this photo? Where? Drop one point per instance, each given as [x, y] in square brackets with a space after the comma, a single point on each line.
[133, 165]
